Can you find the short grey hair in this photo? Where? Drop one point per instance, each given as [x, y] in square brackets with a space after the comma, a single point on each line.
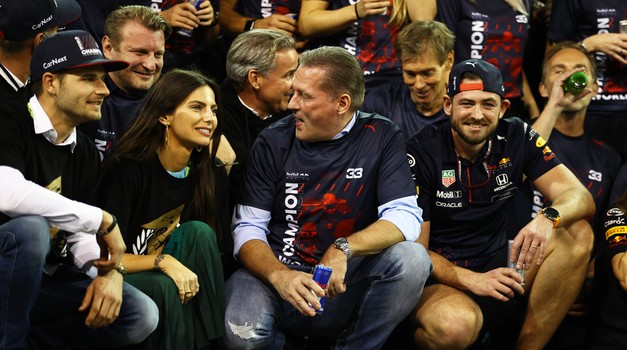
[343, 72]
[255, 50]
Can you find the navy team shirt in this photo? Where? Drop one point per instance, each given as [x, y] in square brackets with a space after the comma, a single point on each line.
[393, 101]
[470, 221]
[317, 192]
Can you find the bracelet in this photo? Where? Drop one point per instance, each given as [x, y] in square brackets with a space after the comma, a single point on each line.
[356, 12]
[583, 46]
[102, 233]
[158, 259]
[121, 270]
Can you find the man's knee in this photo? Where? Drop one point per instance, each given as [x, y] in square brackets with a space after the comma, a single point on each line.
[446, 319]
[250, 321]
[141, 316]
[248, 335]
[458, 331]
[412, 261]
[31, 235]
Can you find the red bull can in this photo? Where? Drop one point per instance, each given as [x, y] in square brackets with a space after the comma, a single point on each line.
[321, 275]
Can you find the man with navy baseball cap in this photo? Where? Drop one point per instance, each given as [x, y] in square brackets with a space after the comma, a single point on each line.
[70, 50]
[50, 231]
[23, 25]
[467, 171]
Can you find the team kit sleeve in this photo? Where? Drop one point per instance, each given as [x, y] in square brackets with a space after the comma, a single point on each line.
[421, 172]
[615, 223]
[396, 188]
[253, 211]
[395, 180]
[539, 158]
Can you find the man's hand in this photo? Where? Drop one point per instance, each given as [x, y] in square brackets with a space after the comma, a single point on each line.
[611, 44]
[532, 239]
[335, 259]
[205, 13]
[104, 299]
[296, 288]
[562, 100]
[367, 8]
[275, 21]
[112, 245]
[500, 283]
[183, 15]
[185, 279]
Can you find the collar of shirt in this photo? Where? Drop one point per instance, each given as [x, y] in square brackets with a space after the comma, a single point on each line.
[252, 110]
[13, 80]
[43, 125]
[347, 128]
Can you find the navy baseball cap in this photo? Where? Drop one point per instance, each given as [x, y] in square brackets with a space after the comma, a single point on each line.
[491, 79]
[24, 19]
[69, 49]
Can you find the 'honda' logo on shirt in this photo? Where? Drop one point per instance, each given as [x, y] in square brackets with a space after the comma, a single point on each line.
[502, 179]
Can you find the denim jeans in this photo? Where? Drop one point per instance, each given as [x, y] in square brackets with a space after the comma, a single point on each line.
[53, 301]
[24, 244]
[381, 290]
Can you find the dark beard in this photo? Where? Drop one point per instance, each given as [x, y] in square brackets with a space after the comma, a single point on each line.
[467, 139]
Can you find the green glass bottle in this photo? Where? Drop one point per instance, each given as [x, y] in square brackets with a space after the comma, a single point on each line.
[576, 83]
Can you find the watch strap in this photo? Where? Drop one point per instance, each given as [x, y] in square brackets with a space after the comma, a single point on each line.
[250, 24]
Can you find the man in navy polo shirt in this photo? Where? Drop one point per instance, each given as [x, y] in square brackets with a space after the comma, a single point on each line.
[467, 172]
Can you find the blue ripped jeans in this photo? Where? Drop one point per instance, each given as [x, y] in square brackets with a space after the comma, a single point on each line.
[381, 290]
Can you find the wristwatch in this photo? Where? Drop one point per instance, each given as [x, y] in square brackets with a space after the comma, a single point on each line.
[121, 270]
[342, 244]
[551, 214]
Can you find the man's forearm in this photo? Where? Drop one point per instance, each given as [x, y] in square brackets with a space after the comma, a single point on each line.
[19, 196]
[574, 204]
[258, 258]
[379, 235]
[448, 273]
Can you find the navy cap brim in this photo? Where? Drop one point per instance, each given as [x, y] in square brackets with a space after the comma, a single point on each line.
[108, 65]
[68, 12]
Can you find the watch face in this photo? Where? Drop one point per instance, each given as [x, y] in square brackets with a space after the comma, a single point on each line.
[551, 213]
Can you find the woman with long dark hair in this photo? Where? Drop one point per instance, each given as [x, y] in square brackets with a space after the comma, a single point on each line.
[160, 183]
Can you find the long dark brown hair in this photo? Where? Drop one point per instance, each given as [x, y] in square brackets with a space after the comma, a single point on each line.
[146, 135]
